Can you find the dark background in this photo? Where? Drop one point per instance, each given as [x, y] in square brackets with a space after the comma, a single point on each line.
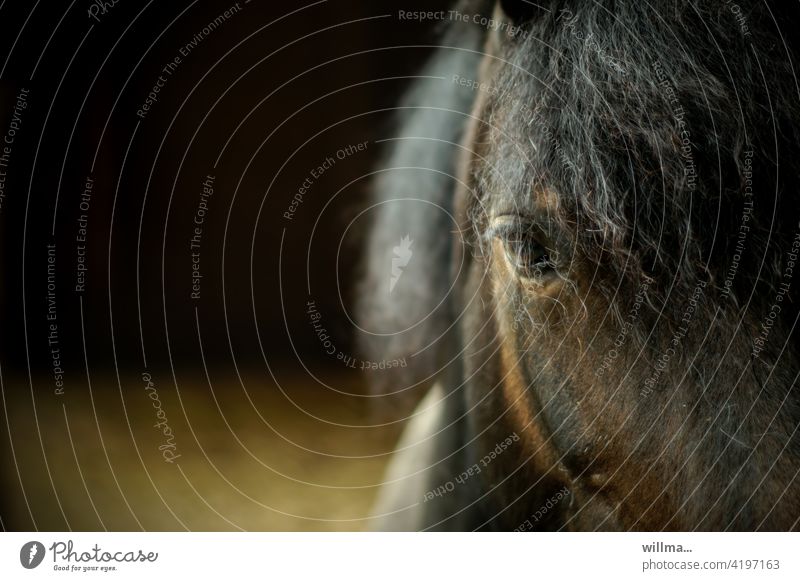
[273, 91]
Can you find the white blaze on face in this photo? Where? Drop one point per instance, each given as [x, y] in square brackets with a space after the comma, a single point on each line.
[401, 257]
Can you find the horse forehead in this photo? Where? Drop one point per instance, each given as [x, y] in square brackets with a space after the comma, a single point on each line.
[544, 200]
[534, 200]
[515, 168]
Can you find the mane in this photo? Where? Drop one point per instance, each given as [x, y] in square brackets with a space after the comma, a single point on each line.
[662, 129]
[668, 133]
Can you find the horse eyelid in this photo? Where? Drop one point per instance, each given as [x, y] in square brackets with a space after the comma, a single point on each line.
[509, 230]
[505, 229]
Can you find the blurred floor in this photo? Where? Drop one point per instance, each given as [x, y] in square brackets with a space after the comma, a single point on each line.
[258, 457]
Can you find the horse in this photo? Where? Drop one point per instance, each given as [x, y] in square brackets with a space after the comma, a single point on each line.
[584, 241]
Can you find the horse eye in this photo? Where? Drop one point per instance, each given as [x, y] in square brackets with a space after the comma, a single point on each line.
[530, 258]
[526, 247]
